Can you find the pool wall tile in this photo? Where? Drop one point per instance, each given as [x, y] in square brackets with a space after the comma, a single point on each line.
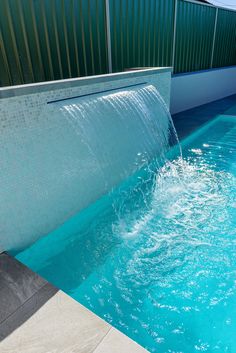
[27, 211]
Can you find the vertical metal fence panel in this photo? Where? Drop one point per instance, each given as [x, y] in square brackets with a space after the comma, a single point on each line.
[5, 75]
[225, 41]
[141, 33]
[47, 40]
[194, 36]
[9, 47]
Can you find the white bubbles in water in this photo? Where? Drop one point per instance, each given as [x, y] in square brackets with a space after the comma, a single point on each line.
[188, 212]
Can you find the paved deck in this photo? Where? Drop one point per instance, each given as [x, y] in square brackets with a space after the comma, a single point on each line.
[36, 317]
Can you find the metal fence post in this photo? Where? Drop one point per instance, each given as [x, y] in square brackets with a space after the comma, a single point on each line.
[108, 36]
[214, 38]
[174, 34]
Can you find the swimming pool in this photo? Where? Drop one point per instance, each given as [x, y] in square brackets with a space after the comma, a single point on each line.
[156, 257]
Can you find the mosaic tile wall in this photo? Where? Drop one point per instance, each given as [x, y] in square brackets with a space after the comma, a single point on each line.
[38, 190]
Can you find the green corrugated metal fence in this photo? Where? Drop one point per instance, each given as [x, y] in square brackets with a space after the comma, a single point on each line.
[141, 33]
[225, 43]
[194, 36]
[53, 39]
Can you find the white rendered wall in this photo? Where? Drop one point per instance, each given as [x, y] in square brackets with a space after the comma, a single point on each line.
[39, 184]
[194, 89]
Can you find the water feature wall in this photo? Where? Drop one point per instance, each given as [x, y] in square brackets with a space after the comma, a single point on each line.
[64, 144]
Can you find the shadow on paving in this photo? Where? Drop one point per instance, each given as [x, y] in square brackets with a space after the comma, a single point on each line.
[22, 293]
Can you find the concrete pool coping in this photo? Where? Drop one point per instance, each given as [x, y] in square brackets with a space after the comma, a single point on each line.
[36, 317]
[19, 90]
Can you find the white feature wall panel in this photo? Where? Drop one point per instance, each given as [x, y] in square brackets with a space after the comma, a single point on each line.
[197, 88]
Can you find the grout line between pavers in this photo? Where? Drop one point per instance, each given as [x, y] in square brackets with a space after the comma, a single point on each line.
[19, 307]
[102, 339]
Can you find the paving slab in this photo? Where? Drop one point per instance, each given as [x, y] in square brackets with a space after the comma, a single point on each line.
[61, 325]
[116, 342]
[17, 284]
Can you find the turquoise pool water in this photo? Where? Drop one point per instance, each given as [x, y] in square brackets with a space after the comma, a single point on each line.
[157, 257]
